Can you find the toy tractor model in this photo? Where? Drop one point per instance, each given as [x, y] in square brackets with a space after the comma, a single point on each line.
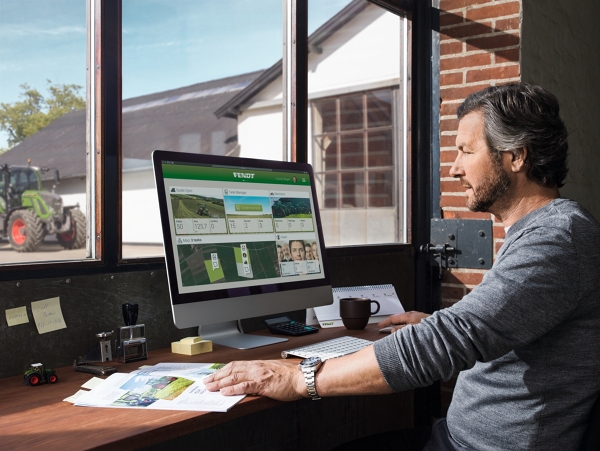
[28, 214]
[36, 375]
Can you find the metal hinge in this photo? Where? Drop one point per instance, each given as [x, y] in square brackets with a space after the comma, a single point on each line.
[460, 243]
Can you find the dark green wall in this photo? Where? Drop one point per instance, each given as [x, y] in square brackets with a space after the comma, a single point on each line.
[92, 304]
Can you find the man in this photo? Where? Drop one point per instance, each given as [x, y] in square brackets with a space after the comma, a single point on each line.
[279, 253]
[526, 340]
[286, 253]
[308, 254]
[297, 250]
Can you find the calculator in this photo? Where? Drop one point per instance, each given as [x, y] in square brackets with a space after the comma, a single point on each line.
[285, 325]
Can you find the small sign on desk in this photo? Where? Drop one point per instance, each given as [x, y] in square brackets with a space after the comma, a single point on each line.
[329, 315]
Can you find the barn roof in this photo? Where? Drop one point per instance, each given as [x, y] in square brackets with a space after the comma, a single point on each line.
[154, 121]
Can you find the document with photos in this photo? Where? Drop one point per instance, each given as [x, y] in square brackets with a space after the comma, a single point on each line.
[166, 386]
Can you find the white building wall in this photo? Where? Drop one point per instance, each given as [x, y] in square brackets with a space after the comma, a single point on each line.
[141, 216]
[260, 133]
[364, 54]
[353, 59]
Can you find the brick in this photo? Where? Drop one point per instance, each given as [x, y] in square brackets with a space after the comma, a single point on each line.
[493, 42]
[448, 125]
[447, 141]
[447, 108]
[448, 156]
[469, 29]
[445, 171]
[454, 78]
[491, 12]
[462, 62]
[460, 93]
[497, 246]
[452, 293]
[507, 56]
[449, 5]
[514, 23]
[452, 201]
[493, 73]
[447, 18]
[450, 48]
[451, 186]
[464, 214]
[466, 278]
[499, 232]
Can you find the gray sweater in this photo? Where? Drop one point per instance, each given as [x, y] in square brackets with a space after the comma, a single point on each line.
[526, 340]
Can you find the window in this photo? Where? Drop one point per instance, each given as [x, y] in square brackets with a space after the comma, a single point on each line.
[357, 131]
[43, 137]
[354, 150]
[182, 61]
[168, 50]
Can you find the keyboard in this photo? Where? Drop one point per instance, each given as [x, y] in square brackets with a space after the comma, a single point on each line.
[329, 349]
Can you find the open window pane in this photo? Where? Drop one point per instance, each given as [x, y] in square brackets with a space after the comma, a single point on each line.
[381, 148]
[353, 189]
[43, 130]
[355, 63]
[331, 194]
[351, 113]
[352, 151]
[379, 108]
[380, 188]
[325, 116]
[188, 72]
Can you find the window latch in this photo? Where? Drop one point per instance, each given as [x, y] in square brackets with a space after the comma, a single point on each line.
[442, 253]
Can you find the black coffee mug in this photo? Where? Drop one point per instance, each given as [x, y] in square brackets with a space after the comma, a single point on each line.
[355, 312]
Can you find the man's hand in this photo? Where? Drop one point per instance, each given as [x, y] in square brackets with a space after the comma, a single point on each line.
[277, 379]
[400, 320]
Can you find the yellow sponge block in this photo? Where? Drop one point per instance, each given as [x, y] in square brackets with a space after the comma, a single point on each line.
[191, 346]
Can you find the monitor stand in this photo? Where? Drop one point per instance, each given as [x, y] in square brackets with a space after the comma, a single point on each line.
[227, 334]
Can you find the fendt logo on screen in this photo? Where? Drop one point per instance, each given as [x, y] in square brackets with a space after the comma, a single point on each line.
[243, 175]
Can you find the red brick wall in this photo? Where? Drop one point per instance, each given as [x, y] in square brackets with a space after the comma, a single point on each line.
[479, 47]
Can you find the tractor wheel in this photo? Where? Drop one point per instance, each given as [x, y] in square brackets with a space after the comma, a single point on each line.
[25, 231]
[74, 238]
[52, 378]
[34, 379]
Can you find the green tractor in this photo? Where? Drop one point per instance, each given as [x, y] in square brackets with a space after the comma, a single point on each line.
[36, 374]
[28, 214]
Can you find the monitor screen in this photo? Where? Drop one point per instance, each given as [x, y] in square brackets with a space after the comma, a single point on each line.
[242, 238]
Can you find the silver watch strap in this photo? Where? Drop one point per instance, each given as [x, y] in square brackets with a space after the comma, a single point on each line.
[309, 378]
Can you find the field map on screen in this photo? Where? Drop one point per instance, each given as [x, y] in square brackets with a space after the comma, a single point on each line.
[237, 227]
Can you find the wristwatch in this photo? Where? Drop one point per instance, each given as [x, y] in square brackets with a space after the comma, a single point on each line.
[309, 368]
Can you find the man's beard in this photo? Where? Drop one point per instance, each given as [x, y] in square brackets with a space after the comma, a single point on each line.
[492, 188]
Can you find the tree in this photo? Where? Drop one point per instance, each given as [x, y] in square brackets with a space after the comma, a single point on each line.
[28, 116]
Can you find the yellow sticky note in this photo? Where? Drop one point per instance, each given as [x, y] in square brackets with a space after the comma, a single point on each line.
[16, 316]
[48, 315]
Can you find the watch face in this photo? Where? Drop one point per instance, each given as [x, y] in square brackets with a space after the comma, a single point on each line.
[311, 361]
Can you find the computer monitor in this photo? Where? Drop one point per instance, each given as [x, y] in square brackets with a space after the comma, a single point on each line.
[242, 239]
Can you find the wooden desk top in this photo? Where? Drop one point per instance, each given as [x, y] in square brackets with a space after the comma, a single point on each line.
[37, 418]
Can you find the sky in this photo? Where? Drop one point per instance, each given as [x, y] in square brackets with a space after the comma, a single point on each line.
[167, 44]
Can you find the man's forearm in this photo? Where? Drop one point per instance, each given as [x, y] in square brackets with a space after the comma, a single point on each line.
[354, 374]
